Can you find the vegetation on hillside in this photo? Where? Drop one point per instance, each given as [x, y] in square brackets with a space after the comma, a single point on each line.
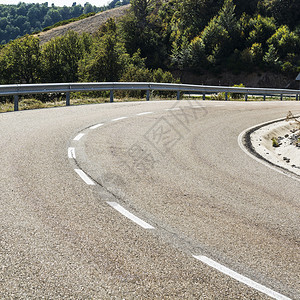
[74, 57]
[19, 20]
[193, 35]
[231, 35]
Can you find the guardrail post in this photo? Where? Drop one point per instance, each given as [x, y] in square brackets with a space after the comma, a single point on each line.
[246, 97]
[16, 102]
[111, 96]
[297, 97]
[68, 99]
[203, 97]
[226, 96]
[281, 96]
[147, 95]
[178, 95]
[264, 97]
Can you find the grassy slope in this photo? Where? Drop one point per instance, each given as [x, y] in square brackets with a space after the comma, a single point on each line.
[90, 24]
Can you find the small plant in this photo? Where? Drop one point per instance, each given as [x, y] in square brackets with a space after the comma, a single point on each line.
[219, 96]
[30, 104]
[237, 95]
[275, 142]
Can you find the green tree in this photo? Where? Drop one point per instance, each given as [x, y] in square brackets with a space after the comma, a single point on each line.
[220, 36]
[195, 14]
[285, 41]
[262, 28]
[141, 29]
[60, 58]
[285, 12]
[271, 57]
[106, 58]
[20, 61]
[197, 54]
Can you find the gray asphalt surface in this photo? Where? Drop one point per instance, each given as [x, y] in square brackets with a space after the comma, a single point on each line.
[180, 170]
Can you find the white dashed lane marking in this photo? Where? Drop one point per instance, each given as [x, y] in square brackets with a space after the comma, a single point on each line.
[71, 152]
[118, 119]
[245, 280]
[241, 278]
[78, 137]
[84, 177]
[145, 113]
[175, 108]
[129, 215]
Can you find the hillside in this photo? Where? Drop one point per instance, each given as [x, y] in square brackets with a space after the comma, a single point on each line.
[88, 25]
[25, 18]
[216, 42]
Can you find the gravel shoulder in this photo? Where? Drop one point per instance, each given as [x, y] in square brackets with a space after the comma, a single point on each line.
[278, 144]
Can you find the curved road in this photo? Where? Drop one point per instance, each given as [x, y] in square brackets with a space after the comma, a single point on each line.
[145, 200]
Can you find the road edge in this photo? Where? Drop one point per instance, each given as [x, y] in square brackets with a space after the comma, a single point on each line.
[245, 144]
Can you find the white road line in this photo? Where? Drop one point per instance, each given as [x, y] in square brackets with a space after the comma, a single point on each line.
[241, 278]
[145, 113]
[118, 119]
[175, 108]
[84, 177]
[129, 215]
[78, 137]
[71, 152]
[96, 126]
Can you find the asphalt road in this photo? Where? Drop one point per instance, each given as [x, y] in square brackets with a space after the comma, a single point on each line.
[166, 205]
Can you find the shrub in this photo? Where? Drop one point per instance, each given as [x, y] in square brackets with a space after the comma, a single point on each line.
[237, 95]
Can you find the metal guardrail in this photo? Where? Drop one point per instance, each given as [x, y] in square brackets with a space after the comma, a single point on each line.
[22, 89]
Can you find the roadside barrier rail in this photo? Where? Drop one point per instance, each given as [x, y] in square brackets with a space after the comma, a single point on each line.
[17, 90]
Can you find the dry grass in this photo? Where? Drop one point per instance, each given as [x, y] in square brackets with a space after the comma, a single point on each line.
[26, 104]
[89, 25]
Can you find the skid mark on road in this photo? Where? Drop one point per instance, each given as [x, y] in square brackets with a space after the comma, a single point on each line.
[96, 126]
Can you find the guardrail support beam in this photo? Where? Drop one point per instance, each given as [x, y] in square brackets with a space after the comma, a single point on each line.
[264, 97]
[203, 96]
[226, 96]
[68, 99]
[246, 97]
[178, 95]
[111, 98]
[281, 96]
[297, 97]
[147, 95]
[16, 102]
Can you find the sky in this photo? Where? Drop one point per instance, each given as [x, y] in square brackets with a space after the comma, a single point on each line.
[59, 2]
